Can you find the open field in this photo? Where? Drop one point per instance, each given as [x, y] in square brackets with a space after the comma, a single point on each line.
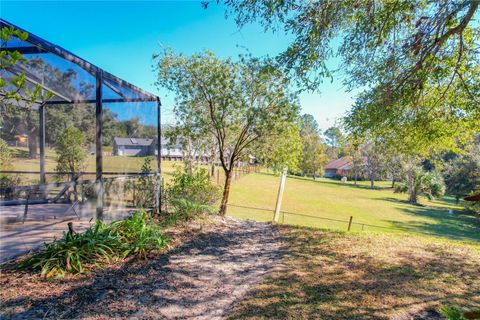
[324, 198]
[110, 164]
[340, 275]
[335, 200]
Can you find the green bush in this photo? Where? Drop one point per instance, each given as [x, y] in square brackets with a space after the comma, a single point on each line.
[7, 181]
[75, 251]
[99, 244]
[473, 206]
[145, 187]
[426, 183]
[451, 312]
[189, 209]
[193, 188]
[140, 233]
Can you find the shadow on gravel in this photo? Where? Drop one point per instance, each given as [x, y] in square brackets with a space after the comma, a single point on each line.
[201, 278]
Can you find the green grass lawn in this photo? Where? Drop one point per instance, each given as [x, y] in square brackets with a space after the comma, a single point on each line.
[110, 164]
[323, 198]
[332, 199]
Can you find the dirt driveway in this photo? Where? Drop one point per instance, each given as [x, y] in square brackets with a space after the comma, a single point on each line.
[201, 279]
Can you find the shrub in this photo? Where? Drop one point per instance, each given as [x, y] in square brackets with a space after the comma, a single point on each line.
[189, 209]
[75, 251]
[196, 187]
[425, 183]
[139, 233]
[473, 206]
[145, 197]
[99, 244]
[5, 156]
[7, 181]
[71, 150]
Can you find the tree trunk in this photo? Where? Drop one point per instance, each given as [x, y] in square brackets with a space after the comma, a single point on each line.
[355, 178]
[412, 193]
[372, 183]
[212, 168]
[393, 183]
[226, 193]
[212, 162]
[412, 196]
[32, 144]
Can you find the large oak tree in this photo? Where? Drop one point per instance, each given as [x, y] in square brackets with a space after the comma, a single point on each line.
[416, 61]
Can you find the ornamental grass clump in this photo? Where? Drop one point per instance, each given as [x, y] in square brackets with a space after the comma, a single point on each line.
[139, 234]
[97, 246]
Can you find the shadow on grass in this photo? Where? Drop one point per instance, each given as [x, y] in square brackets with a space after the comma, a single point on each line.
[330, 181]
[457, 225]
[329, 275]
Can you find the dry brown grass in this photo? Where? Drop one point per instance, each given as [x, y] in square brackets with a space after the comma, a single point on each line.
[334, 275]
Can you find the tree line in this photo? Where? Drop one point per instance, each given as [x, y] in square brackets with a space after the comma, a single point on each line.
[58, 117]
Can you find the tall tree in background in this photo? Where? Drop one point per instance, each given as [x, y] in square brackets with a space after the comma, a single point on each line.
[336, 143]
[374, 161]
[71, 151]
[394, 167]
[418, 60]
[334, 137]
[313, 155]
[239, 103]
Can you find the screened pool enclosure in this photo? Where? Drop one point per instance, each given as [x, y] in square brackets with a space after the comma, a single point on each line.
[106, 183]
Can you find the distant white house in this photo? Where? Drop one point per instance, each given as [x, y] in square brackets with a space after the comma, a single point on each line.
[134, 147]
[141, 147]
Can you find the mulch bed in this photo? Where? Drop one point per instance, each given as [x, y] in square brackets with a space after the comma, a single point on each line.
[209, 267]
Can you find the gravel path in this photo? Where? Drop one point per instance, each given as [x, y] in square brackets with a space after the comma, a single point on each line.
[201, 279]
[205, 278]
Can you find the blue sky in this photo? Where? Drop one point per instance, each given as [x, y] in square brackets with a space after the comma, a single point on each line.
[121, 36]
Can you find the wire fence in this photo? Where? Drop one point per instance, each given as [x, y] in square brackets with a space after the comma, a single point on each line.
[296, 218]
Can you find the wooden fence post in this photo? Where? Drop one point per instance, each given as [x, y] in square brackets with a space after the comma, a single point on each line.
[350, 223]
[281, 187]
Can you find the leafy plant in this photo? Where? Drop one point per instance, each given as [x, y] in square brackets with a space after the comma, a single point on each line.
[7, 181]
[428, 184]
[196, 187]
[451, 312]
[139, 233]
[75, 251]
[71, 151]
[145, 197]
[189, 209]
[99, 244]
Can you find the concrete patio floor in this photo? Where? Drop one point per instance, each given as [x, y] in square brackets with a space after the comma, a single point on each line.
[44, 222]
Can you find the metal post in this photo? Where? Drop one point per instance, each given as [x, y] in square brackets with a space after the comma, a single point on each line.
[159, 156]
[281, 187]
[98, 143]
[41, 113]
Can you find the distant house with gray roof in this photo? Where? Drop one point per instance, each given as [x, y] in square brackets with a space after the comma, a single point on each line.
[134, 147]
[141, 147]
